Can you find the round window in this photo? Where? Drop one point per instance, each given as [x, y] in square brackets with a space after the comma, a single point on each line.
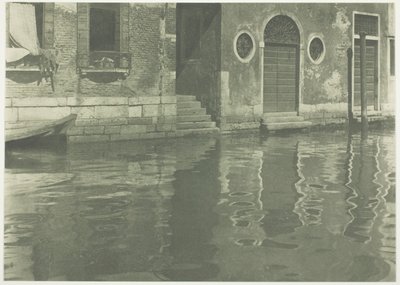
[316, 50]
[244, 46]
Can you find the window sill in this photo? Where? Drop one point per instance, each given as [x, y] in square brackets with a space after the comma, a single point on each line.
[121, 73]
[104, 70]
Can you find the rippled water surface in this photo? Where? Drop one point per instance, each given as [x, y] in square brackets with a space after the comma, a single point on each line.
[301, 207]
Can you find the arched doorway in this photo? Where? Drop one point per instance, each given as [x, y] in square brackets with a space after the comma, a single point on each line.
[281, 65]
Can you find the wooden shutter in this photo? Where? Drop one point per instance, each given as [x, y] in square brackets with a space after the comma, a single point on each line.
[83, 34]
[48, 25]
[124, 27]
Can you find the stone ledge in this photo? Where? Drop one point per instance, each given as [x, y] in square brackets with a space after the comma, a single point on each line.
[147, 100]
[97, 101]
[39, 102]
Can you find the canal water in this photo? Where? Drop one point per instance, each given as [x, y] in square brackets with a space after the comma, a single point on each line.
[316, 206]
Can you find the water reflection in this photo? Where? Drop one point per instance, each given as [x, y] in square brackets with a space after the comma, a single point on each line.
[304, 207]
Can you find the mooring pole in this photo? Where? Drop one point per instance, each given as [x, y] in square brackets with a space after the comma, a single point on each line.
[364, 103]
[349, 85]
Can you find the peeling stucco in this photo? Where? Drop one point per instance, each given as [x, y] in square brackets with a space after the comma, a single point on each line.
[342, 21]
[333, 86]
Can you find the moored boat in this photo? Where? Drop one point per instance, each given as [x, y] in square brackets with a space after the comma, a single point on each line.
[40, 130]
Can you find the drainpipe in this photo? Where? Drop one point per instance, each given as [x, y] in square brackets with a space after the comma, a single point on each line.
[364, 103]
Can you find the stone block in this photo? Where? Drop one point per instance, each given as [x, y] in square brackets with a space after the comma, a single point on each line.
[168, 99]
[124, 137]
[97, 101]
[84, 112]
[150, 110]
[86, 122]
[135, 111]
[164, 127]
[111, 111]
[11, 114]
[153, 136]
[39, 102]
[112, 130]
[133, 129]
[88, 138]
[167, 119]
[42, 113]
[144, 100]
[140, 121]
[74, 131]
[94, 130]
[150, 128]
[7, 102]
[169, 110]
[113, 121]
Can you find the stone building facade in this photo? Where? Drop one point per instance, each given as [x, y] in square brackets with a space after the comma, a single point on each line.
[241, 62]
[258, 59]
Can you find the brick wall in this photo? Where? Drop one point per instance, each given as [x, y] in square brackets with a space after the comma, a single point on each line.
[142, 105]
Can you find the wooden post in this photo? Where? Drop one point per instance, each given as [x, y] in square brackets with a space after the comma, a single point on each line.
[349, 85]
[364, 103]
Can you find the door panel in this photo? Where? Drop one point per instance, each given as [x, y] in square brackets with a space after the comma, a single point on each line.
[371, 73]
[280, 77]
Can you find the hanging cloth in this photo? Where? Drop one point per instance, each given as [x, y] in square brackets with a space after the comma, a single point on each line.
[23, 33]
[15, 54]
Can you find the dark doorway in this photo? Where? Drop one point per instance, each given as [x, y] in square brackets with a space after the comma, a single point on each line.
[281, 65]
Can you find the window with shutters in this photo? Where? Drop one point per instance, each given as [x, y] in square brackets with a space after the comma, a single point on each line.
[103, 38]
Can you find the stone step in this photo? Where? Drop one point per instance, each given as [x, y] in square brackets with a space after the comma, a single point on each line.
[185, 98]
[195, 125]
[357, 113]
[183, 105]
[282, 119]
[193, 118]
[371, 118]
[287, 125]
[195, 132]
[280, 114]
[191, 111]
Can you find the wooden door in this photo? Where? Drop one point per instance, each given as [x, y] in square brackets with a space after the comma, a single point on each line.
[371, 58]
[280, 77]
[281, 65]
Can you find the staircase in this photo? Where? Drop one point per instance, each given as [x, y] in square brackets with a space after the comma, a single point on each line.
[283, 121]
[192, 119]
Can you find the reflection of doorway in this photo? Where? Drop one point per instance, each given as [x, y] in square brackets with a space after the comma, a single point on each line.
[281, 65]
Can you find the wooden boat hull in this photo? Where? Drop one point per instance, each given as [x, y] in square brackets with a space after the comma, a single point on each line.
[53, 128]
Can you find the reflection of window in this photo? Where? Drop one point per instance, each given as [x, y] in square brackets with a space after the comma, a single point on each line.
[391, 56]
[366, 23]
[104, 27]
[316, 50]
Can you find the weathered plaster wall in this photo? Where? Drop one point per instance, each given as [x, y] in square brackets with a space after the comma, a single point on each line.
[323, 87]
[200, 76]
[140, 106]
